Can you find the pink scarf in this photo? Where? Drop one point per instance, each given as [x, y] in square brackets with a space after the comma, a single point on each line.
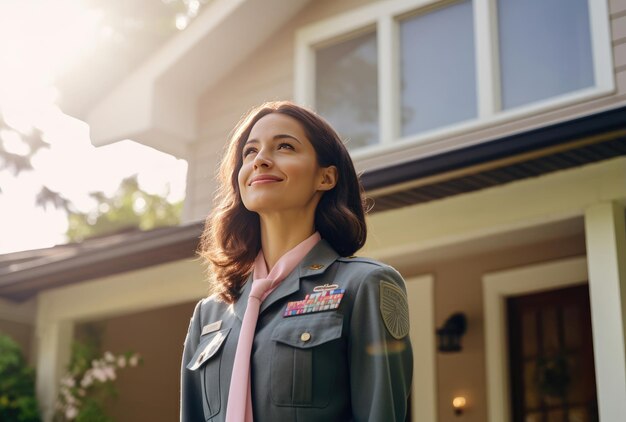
[239, 396]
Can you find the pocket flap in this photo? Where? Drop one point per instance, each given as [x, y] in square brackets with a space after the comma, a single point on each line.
[207, 348]
[309, 330]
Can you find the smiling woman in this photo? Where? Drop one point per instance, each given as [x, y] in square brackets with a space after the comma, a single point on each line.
[293, 315]
[280, 175]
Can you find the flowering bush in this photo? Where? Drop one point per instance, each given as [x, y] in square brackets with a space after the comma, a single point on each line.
[17, 384]
[84, 389]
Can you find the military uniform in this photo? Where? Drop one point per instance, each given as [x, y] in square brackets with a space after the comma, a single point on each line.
[351, 362]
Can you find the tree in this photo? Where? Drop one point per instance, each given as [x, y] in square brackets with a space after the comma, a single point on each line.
[18, 163]
[128, 208]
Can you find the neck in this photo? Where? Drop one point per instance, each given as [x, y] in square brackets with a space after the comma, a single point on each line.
[281, 232]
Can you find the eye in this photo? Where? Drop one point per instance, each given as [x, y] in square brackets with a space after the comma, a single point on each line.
[285, 145]
[247, 151]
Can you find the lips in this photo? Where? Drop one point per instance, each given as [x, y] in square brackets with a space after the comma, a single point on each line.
[263, 179]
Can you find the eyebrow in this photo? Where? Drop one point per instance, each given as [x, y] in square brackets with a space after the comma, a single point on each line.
[275, 138]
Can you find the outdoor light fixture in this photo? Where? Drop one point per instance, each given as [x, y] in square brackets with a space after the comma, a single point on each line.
[458, 403]
[450, 334]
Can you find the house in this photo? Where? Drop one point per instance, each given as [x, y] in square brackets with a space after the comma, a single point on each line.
[491, 136]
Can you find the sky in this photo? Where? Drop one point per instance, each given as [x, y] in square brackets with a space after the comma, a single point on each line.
[34, 49]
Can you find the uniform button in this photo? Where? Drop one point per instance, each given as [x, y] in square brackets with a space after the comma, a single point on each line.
[305, 336]
[316, 267]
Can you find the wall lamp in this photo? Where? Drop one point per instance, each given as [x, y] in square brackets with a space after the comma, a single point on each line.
[451, 332]
[458, 404]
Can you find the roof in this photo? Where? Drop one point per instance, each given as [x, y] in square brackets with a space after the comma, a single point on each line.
[23, 274]
[580, 141]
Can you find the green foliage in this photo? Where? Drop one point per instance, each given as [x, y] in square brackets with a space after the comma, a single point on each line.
[17, 384]
[128, 208]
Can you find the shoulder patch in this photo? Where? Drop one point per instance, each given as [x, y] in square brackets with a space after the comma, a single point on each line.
[394, 309]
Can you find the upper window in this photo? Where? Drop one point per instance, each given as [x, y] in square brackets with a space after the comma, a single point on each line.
[346, 94]
[437, 69]
[402, 71]
[548, 57]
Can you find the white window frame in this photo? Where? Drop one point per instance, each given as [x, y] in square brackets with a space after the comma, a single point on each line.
[383, 16]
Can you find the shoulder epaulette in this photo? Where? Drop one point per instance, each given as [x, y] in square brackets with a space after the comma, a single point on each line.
[360, 259]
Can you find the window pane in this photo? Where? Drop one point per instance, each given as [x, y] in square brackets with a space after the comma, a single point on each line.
[437, 68]
[347, 89]
[545, 49]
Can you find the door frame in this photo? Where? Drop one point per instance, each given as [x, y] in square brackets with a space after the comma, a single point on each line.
[497, 286]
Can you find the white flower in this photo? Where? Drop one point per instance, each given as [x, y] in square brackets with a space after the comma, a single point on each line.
[134, 360]
[87, 379]
[68, 381]
[109, 372]
[108, 356]
[71, 412]
[99, 374]
[121, 361]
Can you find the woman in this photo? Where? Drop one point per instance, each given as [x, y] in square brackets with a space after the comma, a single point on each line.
[296, 329]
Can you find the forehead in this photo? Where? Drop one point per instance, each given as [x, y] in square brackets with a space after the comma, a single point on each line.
[275, 124]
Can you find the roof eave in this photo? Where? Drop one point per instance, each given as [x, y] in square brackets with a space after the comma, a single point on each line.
[156, 104]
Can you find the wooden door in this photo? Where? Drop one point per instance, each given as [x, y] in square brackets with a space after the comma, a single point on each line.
[551, 357]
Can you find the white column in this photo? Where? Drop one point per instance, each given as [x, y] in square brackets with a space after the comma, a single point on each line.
[606, 255]
[53, 354]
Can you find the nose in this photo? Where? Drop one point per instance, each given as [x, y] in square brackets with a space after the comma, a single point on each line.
[261, 159]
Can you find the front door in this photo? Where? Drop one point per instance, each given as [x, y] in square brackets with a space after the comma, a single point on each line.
[551, 357]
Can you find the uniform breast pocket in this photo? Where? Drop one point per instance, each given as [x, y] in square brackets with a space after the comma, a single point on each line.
[306, 359]
[207, 360]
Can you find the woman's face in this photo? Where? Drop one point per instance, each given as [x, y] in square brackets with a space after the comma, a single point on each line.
[280, 170]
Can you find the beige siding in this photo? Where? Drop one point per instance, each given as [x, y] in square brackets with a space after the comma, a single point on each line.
[617, 6]
[21, 333]
[620, 58]
[268, 75]
[618, 27]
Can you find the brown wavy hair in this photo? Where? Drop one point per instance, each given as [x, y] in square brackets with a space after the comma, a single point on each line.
[232, 235]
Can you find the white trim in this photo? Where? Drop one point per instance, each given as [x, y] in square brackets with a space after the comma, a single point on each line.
[487, 69]
[601, 46]
[496, 288]
[432, 136]
[487, 57]
[420, 295]
[387, 78]
[605, 234]
[54, 339]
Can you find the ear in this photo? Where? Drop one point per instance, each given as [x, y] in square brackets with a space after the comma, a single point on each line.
[328, 178]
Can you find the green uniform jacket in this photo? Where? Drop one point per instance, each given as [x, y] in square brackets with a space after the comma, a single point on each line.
[353, 363]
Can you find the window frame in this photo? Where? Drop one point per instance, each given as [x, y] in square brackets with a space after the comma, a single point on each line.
[384, 17]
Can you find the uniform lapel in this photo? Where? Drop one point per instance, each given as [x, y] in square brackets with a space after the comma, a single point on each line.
[314, 263]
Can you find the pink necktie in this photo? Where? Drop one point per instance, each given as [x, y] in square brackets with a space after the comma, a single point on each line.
[239, 407]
